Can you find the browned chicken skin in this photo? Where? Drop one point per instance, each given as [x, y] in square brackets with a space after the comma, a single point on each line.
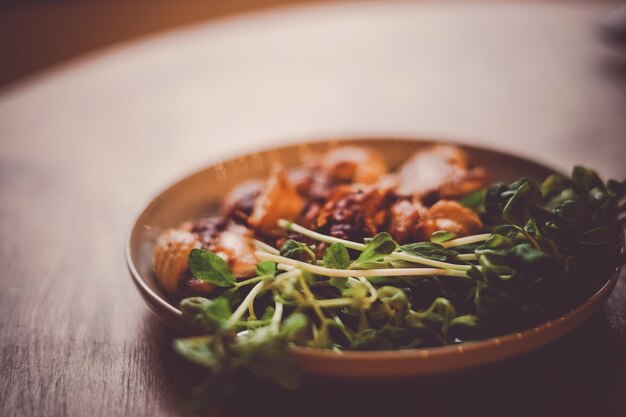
[449, 216]
[230, 241]
[354, 164]
[405, 215]
[353, 212]
[170, 256]
[279, 200]
[439, 169]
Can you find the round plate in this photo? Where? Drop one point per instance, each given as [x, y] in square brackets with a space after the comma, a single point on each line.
[199, 195]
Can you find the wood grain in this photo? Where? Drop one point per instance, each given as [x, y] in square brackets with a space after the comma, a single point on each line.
[84, 148]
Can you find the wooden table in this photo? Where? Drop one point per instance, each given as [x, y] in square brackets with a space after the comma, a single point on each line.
[84, 146]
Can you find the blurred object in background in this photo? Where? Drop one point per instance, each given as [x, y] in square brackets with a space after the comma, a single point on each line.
[613, 27]
[36, 34]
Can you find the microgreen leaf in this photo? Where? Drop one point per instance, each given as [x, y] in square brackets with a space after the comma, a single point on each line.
[474, 200]
[441, 236]
[211, 315]
[336, 256]
[587, 179]
[294, 250]
[395, 298]
[207, 266]
[202, 351]
[517, 209]
[295, 328]
[376, 250]
[554, 185]
[429, 250]
[265, 268]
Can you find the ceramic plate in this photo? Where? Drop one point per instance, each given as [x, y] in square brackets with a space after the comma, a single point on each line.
[199, 195]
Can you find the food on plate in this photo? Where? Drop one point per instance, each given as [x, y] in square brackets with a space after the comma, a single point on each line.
[347, 253]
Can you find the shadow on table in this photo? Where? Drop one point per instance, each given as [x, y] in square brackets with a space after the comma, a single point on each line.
[577, 376]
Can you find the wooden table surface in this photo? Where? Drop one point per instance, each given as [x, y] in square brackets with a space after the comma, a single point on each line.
[84, 146]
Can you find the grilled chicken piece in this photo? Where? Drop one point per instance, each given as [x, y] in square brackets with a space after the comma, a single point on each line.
[229, 240]
[170, 256]
[442, 170]
[449, 216]
[279, 200]
[354, 164]
[234, 246]
[405, 215]
[239, 202]
[354, 212]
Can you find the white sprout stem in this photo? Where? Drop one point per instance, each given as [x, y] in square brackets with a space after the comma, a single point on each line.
[428, 262]
[361, 247]
[308, 295]
[251, 313]
[338, 302]
[467, 257]
[285, 224]
[244, 304]
[285, 267]
[347, 273]
[265, 247]
[465, 240]
[278, 314]
[373, 293]
[334, 302]
[251, 281]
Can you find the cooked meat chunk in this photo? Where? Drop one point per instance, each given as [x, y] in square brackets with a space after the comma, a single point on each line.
[312, 183]
[280, 200]
[239, 202]
[354, 164]
[170, 256]
[354, 212]
[442, 170]
[405, 215]
[234, 246]
[449, 216]
[227, 239]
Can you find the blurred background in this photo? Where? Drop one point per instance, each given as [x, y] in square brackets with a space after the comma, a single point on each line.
[35, 34]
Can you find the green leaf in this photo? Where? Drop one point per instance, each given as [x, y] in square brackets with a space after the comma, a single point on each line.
[395, 298]
[202, 350]
[336, 256]
[617, 189]
[232, 295]
[294, 250]
[496, 241]
[211, 315]
[493, 266]
[465, 327]
[555, 184]
[468, 320]
[380, 280]
[525, 257]
[508, 231]
[376, 250]
[265, 268]
[437, 318]
[441, 236]
[474, 200]
[207, 266]
[295, 328]
[587, 179]
[429, 250]
[517, 209]
[265, 355]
